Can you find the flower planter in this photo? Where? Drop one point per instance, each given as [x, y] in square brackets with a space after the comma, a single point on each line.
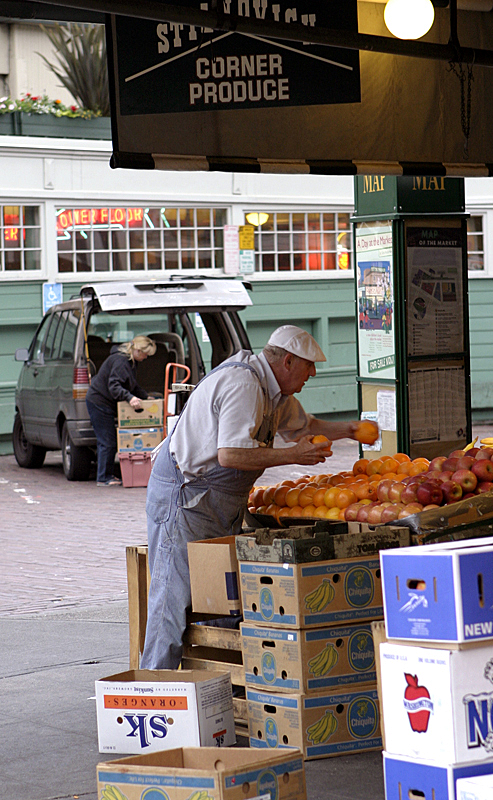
[22, 124]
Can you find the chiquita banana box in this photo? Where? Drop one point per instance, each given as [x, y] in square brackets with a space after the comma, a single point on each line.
[204, 773]
[320, 724]
[309, 659]
[311, 595]
[149, 416]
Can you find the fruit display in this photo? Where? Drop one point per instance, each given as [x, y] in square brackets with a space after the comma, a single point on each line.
[382, 490]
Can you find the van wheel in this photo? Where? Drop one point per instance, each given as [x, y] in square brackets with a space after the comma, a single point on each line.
[27, 455]
[76, 460]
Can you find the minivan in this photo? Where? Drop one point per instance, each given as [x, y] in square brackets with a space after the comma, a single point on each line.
[194, 322]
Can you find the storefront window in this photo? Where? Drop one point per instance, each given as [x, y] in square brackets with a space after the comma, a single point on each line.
[139, 239]
[20, 239]
[302, 242]
[475, 244]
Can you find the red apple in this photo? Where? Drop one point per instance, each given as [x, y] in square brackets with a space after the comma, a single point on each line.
[421, 478]
[483, 469]
[484, 486]
[383, 489]
[485, 452]
[434, 474]
[410, 493]
[429, 492]
[391, 513]
[430, 506]
[362, 515]
[446, 475]
[436, 463]
[420, 714]
[473, 451]
[457, 453]
[375, 514]
[395, 492]
[410, 509]
[465, 462]
[450, 463]
[468, 495]
[467, 479]
[351, 512]
[452, 491]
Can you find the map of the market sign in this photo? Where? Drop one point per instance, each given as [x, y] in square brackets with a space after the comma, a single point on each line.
[168, 67]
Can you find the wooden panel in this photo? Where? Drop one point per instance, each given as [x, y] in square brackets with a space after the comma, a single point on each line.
[209, 636]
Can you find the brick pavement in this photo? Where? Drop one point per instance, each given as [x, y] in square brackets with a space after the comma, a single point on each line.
[63, 543]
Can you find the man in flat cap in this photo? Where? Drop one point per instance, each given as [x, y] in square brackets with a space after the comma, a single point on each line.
[204, 471]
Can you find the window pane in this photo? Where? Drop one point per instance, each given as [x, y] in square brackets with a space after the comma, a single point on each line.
[154, 260]
[268, 242]
[475, 261]
[268, 263]
[120, 262]
[154, 240]
[137, 259]
[13, 259]
[283, 241]
[169, 217]
[298, 222]
[186, 217]
[282, 222]
[204, 238]
[219, 217]
[299, 261]
[187, 260]
[329, 261]
[68, 340]
[475, 224]
[475, 242]
[83, 261]
[329, 222]
[119, 240]
[187, 239]
[32, 259]
[203, 217]
[136, 239]
[313, 222]
[314, 241]
[329, 241]
[284, 262]
[344, 221]
[154, 217]
[170, 239]
[205, 259]
[65, 263]
[298, 241]
[171, 260]
[101, 261]
[101, 240]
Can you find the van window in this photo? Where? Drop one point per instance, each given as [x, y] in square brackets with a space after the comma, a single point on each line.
[69, 335]
[52, 344]
[37, 343]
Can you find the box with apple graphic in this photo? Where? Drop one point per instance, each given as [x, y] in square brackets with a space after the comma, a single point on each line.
[439, 592]
[475, 787]
[408, 777]
[437, 703]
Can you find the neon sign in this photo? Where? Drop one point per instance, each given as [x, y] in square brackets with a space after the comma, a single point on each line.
[79, 219]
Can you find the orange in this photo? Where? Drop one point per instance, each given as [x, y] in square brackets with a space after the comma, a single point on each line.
[404, 467]
[366, 491]
[321, 512]
[401, 457]
[292, 496]
[391, 476]
[279, 495]
[388, 465]
[366, 432]
[319, 439]
[359, 467]
[284, 512]
[417, 469]
[306, 495]
[256, 497]
[374, 467]
[345, 498]
[330, 496]
[309, 511]
[296, 511]
[333, 513]
[272, 510]
[268, 496]
[318, 497]
[341, 514]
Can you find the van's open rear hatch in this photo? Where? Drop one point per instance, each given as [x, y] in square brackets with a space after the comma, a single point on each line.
[203, 294]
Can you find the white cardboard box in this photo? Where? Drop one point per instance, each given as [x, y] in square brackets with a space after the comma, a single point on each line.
[144, 711]
[238, 773]
[439, 593]
[478, 787]
[437, 704]
[409, 778]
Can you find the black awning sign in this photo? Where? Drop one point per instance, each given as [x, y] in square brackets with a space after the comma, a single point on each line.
[165, 67]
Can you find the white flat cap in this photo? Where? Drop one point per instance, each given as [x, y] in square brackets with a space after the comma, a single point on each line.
[298, 342]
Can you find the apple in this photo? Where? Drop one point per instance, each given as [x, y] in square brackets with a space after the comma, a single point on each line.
[351, 512]
[420, 478]
[410, 493]
[383, 489]
[450, 463]
[420, 714]
[410, 509]
[465, 462]
[395, 492]
[467, 479]
[483, 469]
[457, 453]
[391, 513]
[375, 514]
[485, 452]
[429, 492]
[362, 515]
[468, 495]
[473, 451]
[437, 463]
[452, 491]
[434, 474]
[446, 475]
[484, 486]
[430, 506]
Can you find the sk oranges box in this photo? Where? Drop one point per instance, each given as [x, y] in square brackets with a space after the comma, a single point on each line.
[320, 724]
[203, 773]
[311, 594]
[143, 711]
[151, 415]
[307, 660]
[479, 787]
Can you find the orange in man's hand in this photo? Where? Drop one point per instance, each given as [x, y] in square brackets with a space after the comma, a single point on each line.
[319, 439]
[366, 432]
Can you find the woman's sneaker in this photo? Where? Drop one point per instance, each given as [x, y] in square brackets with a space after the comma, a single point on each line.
[110, 482]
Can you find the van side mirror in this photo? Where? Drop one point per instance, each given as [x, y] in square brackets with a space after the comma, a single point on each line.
[22, 354]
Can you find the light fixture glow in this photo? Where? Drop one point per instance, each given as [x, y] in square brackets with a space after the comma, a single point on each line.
[256, 219]
[409, 19]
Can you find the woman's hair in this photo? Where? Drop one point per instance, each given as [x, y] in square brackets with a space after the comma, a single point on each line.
[142, 343]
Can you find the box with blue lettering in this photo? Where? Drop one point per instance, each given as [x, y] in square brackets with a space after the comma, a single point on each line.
[439, 593]
[437, 703]
[204, 773]
[413, 778]
[143, 711]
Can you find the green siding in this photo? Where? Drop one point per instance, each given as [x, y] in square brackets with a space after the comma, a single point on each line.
[325, 308]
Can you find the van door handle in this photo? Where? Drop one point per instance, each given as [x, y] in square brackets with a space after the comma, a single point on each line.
[35, 372]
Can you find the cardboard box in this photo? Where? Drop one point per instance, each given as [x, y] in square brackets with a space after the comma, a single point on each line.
[410, 778]
[478, 787]
[214, 557]
[136, 469]
[191, 773]
[312, 594]
[143, 711]
[138, 440]
[322, 724]
[151, 415]
[307, 660]
[440, 592]
[319, 542]
[437, 703]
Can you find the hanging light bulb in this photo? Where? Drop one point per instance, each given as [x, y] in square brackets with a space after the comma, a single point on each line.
[256, 219]
[409, 19]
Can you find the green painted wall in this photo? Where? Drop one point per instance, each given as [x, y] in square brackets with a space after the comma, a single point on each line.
[325, 308]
